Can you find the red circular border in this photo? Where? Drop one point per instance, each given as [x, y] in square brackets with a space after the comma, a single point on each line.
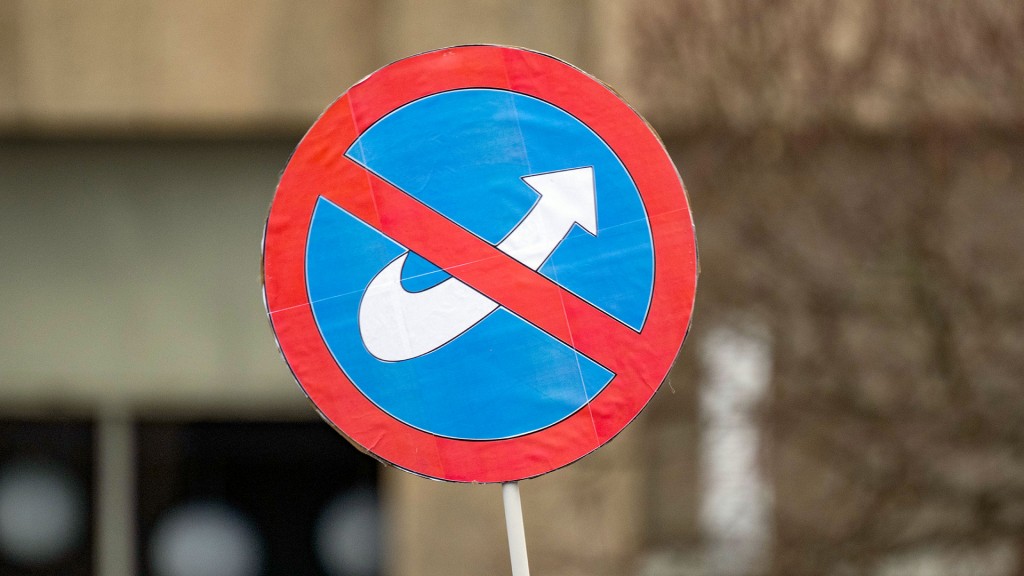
[319, 164]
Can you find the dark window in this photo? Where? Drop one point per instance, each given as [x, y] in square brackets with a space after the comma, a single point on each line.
[279, 498]
[46, 509]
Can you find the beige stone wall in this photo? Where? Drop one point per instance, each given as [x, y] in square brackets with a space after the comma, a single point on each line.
[118, 66]
[159, 316]
[155, 70]
[856, 179]
[244, 67]
[131, 280]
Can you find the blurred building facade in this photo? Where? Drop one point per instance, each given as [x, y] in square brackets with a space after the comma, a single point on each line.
[848, 401]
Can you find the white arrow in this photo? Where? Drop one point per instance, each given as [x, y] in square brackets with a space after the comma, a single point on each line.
[398, 325]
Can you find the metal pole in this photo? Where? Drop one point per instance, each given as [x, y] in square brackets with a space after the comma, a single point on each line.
[516, 531]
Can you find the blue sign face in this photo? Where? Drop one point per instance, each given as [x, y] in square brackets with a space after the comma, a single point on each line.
[430, 351]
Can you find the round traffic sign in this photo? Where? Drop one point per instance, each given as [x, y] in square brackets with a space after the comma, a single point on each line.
[480, 264]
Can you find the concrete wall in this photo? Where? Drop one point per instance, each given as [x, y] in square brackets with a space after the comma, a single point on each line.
[143, 141]
[854, 169]
[131, 277]
[231, 67]
[158, 298]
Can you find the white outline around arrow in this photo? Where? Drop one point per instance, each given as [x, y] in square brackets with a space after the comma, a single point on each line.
[397, 325]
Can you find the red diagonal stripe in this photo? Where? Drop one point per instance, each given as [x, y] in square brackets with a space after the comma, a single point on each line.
[505, 280]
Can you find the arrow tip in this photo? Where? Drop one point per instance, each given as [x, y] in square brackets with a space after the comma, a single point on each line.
[573, 192]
